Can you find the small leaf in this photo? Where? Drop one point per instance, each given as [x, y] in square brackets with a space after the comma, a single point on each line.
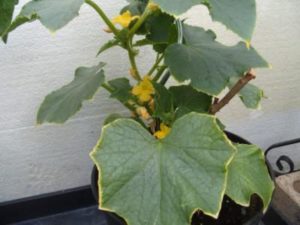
[163, 103]
[53, 14]
[160, 48]
[108, 45]
[149, 181]
[187, 100]
[6, 13]
[237, 15]
[161, 31]
[250, 95]
[160, 27]
[121, 89]
[207, 63]
[63, 103]
[247, 175]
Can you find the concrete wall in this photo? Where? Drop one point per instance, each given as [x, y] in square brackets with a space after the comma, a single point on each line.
[35, 160]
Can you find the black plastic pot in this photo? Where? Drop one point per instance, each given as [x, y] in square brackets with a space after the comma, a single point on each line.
[256, 204]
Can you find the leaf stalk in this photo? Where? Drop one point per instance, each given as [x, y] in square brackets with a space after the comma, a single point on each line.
[103, 16]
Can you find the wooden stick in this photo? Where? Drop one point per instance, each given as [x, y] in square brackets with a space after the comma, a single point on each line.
[217, 106]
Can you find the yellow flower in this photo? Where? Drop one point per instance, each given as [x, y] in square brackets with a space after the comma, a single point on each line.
[144, 90]
[163, 132]
[124, 19]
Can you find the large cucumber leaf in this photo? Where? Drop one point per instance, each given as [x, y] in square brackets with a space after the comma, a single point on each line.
[53, 14]
[247, 175]
[237, 15]
[207, 63]
[63, 103]
[149, 181]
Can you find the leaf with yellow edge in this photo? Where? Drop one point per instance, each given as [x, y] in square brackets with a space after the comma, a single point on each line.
[238, 15]
[53, 14]
[248, 175]
[63, 103]
[149, 181]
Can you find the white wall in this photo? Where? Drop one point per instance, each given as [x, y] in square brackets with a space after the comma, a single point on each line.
[35, 160]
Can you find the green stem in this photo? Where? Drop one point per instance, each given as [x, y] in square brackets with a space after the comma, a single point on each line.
[131, 55]
[131, 33]
[139, 23]
[157, 62]
[103, 16]
[159, 73]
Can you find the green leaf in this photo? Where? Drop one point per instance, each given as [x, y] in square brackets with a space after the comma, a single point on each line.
[207, 63]
[160, 26]
[149, 181]
[187, 100]
[220, 124]
[161, 31]
[160, 48]
[177, 7]
[135, 7]
[237, 15]
[6, 13]
[108, 45]
[63, 103]
[121, 89]
[248, 174]
[53, 14]
[163, 103]
[250, 95]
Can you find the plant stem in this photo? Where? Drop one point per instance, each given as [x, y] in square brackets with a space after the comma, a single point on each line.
[103, 16]
[159, 73]
[131, 33]
[217, 106]
[165, 78]
[157, 62]
[139, 23]
[131, 54]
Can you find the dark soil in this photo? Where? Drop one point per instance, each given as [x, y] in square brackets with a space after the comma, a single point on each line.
[232, 214]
